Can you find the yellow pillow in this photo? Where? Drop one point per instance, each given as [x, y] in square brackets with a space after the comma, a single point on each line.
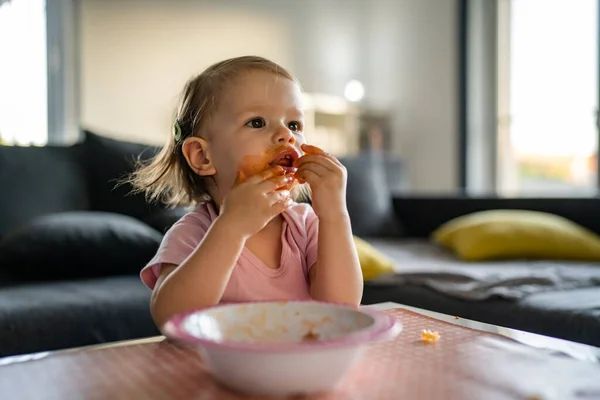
[372, 262]
[511, 234]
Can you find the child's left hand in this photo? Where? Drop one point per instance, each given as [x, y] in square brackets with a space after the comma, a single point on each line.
[327, 179]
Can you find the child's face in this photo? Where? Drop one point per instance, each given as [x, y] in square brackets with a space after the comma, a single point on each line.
[258, 124]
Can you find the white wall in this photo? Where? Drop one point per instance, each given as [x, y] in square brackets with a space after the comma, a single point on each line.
[136, 56]
[427, 90]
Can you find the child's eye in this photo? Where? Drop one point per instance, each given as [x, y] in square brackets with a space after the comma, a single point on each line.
[256, 123]
[294, 126]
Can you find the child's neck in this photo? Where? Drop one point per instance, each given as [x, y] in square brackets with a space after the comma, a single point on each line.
[267, 244]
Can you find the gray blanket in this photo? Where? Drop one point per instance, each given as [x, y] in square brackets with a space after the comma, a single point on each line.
[422, 263]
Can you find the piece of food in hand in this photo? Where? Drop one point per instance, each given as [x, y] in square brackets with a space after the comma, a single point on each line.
[429, 336]
[310, 149]
[280, 159]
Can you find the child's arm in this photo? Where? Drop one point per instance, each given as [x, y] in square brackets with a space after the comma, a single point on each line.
[201, 279]
[336, 276]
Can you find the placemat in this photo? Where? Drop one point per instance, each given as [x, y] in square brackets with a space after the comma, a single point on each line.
[463, 364]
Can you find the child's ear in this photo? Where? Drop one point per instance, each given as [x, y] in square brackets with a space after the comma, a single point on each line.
[197, 154]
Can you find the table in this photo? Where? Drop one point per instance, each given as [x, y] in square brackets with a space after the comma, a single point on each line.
[471, 360]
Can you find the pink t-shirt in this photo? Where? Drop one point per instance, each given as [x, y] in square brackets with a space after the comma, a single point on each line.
[251, 279]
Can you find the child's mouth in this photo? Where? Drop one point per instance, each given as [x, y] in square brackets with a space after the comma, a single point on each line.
[286, 159]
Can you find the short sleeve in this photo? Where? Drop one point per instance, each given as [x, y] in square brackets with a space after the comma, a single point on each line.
[312, 238]
[178, 243]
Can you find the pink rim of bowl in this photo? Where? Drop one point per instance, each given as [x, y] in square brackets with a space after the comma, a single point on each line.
[384, 328]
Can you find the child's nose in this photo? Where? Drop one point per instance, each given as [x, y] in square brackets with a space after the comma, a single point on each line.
[285, 135]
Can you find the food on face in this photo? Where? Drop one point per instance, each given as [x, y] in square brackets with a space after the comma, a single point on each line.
[429, 336]
[282, 156]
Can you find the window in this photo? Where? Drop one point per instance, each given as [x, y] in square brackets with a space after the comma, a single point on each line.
[547, 97]
[23, 72]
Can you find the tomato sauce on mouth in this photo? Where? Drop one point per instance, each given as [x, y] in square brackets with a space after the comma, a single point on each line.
[254, 164]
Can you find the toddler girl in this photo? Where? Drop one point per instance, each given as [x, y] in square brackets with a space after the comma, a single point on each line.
[237, 153]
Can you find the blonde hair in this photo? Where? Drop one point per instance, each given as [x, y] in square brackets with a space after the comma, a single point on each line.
[167, 178]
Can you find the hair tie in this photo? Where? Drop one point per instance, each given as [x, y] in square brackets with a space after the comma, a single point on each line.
[177, 131]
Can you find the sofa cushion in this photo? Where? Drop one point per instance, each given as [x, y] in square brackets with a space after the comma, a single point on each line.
[517, 234]
[35, 181]
[75, 245]
[107, 162]
[373, 263]
[59, 315]
[368, 197]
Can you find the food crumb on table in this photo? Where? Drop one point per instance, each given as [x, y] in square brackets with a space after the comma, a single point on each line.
[457, 317]
[429, 336]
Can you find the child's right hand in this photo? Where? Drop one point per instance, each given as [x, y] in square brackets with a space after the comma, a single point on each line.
[254, 202]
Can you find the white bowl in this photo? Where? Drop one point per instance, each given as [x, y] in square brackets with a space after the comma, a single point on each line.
[281, 348]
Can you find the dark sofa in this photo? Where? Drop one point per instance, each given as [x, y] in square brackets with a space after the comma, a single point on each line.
[72, 245]
[571, 314]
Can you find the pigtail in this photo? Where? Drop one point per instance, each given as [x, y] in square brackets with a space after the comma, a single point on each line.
[167, 178]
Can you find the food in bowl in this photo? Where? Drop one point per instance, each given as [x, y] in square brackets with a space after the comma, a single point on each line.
[281, 348]
[310, 335]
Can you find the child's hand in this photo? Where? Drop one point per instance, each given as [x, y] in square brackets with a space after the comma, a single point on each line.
[326, 177]
[254, 202]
